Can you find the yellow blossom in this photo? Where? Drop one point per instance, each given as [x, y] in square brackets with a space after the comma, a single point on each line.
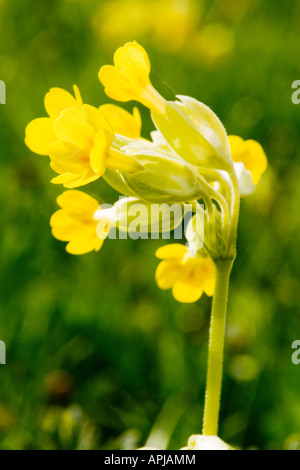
[82, 150]
[251, 154]
[75, 222]
[40, 132]
[122, 121]
[128, 79]
[186, 272]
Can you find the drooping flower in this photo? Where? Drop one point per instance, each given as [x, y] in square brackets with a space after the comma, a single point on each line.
[128, 79]
[40, 132]
[186, 272]
[75, 223]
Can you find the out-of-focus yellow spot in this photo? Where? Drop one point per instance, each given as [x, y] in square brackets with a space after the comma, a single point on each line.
[168, 24]
[244, 368]
[211, 43]
[6, 417]
[174, 22]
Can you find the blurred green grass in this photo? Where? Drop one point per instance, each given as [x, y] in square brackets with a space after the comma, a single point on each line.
[95, 350]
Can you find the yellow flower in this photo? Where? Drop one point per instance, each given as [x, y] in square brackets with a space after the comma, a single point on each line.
[75, 223]
[40, 132]
[129, 79]
[82, 150]
[251, 154]
[202, 442]
[186, 272]
[122, 121]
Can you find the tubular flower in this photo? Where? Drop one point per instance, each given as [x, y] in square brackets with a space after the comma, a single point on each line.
[83, 148]
[128, 79]
[122, 121]
[186, 272]
[40, 132]
[251, 154]
[75, 222]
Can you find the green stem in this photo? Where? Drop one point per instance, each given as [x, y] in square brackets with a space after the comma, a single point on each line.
[216, 347]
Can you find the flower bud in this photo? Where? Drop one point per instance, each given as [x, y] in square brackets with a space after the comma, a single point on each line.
[138, 218]
[195, 133]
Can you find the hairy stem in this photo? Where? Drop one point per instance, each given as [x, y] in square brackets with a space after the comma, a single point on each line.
[216, 347]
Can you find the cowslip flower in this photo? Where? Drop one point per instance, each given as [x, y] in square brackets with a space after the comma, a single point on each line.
[186, 272]
[251, 154]
[83, 149]
[128, 79]
[75, 223]
[40, 132]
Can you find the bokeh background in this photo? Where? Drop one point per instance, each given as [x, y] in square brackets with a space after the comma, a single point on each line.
[97, 356]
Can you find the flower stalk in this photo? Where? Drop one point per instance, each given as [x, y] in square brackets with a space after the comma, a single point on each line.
[216, 348]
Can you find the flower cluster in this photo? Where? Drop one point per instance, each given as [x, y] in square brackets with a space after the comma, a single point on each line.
[190, 159]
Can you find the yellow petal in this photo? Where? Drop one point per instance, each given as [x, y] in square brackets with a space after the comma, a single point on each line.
[83, 243]
[114, 85]
[70, 181]
[67, 158]
[57, 99]
[209, 276]
[75, 222]
[63, 225]
[77, 201]
[167, 273]
[185, 292]
[236, 144]
[122, 121]
[97, 119]
[72, 127]
[133, 63]
[251, 154]
[129, 79]
[39, 135]
[99, 153]
[174, 250]
[77, 95]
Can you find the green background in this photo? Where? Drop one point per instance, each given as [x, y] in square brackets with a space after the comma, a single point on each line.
[96, 353]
